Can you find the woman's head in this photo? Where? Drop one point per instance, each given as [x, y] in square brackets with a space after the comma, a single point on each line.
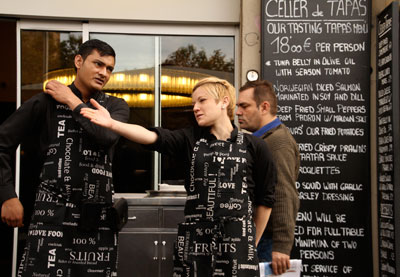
[220, 90]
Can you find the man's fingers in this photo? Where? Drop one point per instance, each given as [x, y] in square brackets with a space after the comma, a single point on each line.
[49, 91]
[47, 88]
[20, 223]
[50, 85]
[15, 222]
[10, 223]
[50, 88]
[280, 266]
[274, 268]
[287, 264]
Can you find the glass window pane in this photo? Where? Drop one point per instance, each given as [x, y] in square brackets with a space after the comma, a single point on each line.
[44, 54]
[8, 79]
[133, 80]
[185, 60]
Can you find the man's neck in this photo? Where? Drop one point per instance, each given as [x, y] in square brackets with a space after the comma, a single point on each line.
[86, 93]
[269, 124]
[266, 120]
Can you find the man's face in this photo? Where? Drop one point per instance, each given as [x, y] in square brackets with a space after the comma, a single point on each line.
[249, 114]
[95, 71]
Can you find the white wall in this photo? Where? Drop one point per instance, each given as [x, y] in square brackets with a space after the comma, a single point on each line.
[196, 11]
[250, 30]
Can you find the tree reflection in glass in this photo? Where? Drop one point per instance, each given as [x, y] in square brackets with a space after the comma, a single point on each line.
[187, 59]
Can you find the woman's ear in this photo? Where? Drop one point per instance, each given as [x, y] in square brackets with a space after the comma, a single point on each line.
[225, 102]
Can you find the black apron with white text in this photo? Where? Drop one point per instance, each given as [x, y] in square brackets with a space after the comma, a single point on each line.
[76, 171]
[218, 235]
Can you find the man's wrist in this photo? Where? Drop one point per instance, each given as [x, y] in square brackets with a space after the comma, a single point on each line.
[73, 102]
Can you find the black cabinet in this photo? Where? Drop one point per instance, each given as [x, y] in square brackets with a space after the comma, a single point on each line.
[146, 253]
[146, 242]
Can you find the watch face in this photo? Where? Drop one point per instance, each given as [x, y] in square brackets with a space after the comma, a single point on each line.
[252, 75]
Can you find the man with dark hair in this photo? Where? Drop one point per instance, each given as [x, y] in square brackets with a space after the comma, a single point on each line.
[257, 113]
[72, 231]
[103, 48]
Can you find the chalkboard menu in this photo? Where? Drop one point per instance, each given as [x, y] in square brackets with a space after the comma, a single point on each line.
[317, 55]
[388, 164]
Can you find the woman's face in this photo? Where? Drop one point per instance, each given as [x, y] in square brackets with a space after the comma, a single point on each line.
[206, 109]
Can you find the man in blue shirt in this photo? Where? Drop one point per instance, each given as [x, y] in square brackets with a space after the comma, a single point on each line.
[257, 113]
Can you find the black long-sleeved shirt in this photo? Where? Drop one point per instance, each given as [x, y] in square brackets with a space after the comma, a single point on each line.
[33, 117]
[261, 176]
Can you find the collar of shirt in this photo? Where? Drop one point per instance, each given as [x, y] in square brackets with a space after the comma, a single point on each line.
[267, 127]
[210, 136]
[76, 91]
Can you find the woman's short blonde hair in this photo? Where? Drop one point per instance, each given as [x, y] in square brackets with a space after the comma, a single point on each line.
[219, 88]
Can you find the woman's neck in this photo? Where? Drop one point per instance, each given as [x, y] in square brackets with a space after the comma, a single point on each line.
[222, 130]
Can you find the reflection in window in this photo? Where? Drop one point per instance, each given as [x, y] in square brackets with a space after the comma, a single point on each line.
[133, 80]
[188, 59]
[184, 61]
[44, 52]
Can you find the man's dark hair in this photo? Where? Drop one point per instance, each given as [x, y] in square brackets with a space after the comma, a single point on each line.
[263, 91]
[102, 47]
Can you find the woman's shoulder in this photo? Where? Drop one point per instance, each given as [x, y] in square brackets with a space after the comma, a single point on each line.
[252, 139]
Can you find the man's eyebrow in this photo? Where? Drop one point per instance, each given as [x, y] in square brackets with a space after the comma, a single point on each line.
[110, 67]
[99, 61]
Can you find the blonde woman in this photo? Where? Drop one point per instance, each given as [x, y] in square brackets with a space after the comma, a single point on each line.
[230, 181]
